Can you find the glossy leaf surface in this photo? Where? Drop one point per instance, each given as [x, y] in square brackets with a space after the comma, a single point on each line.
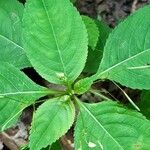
[55, 39]
[126, 55]
[108, 125]
[16, 93]
[95, 56]
[51, 120]
[92, 31]
[11, 49]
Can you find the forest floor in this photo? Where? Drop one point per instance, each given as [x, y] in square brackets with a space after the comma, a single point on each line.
[112, 12]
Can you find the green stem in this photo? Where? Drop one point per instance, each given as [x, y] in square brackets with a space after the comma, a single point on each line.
[53, 92]
[128, 98]
[47, 92]
[99, 94]
[77, 102]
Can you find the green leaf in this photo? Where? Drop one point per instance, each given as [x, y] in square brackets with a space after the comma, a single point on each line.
[55, 39]
[83, 85]
[126, 56]
[51, 121]
[73, 1]
[104, 31]
[92, 31]
[11, 49]
[94, 57]
[16, 93]
[110, 126]
[54, 146]
[144, 103]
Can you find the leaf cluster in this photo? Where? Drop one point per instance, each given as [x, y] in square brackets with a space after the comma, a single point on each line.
[60, 44]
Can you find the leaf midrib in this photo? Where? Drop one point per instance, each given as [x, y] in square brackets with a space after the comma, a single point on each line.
[47, 127]
[97, 75]
[55, 38]
[18, 90]
[12, 42]
[11, 118]
[24, 92]
[95, 119]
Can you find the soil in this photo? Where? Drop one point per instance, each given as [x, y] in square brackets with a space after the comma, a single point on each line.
[112, 12]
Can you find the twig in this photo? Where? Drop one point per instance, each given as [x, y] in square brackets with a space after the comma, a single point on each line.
[126, 95]
[99, 94]
[8, 141]
[134, 4]
[66, 143]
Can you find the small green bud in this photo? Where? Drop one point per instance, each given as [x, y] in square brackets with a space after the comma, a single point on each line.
[82, 86]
